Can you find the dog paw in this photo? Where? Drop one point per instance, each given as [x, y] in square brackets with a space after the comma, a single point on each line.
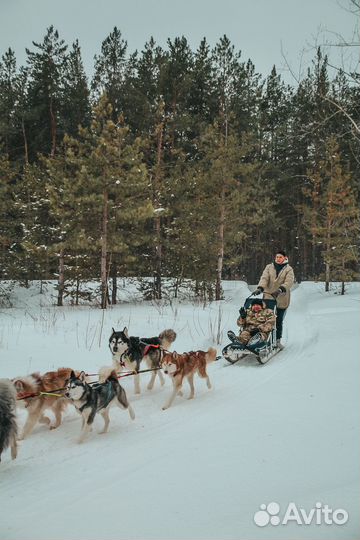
[164, 408]
[44, 420]
[180, 393]
[191, 397]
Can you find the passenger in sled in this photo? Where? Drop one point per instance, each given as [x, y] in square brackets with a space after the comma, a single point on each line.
[257, 322]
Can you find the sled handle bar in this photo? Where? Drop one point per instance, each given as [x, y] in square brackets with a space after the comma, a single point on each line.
[252, 294]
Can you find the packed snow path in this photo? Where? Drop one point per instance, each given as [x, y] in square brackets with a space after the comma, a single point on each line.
[284, 432]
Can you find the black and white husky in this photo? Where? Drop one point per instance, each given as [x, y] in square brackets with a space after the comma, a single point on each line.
[128, 352]
[99, 397]
[8, 426]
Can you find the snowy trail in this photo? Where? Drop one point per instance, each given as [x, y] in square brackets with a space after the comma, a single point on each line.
[286, 431]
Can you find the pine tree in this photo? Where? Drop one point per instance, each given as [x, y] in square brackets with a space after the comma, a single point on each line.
[110, 69]
[334, 217]
[22, 113]
[109, 189]
[13, 108]
[142, 88]
[223, 176]
[226, 64]
[246, 101]
[37, 224]
[274, 111]
[8, 97]
[201, 101]
[10, 230]
[46, 66]
[75, 107]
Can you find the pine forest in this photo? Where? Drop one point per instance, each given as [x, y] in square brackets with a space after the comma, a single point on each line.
[174, 166]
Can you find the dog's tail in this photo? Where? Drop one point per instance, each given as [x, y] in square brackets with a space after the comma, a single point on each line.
[113, 376]
[210, 355]
[107, 373]
[8, 429]
[167, 337]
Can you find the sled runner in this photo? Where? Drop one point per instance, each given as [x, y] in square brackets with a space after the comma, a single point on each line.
[263, 351]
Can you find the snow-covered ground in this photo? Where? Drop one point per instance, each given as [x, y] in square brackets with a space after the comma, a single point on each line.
[286, 432]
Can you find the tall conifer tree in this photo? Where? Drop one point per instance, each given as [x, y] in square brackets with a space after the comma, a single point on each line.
[46, 65]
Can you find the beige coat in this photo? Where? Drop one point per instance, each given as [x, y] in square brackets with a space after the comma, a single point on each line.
[270, 283]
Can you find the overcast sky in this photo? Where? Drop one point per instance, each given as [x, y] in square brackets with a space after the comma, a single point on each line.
[261, 29]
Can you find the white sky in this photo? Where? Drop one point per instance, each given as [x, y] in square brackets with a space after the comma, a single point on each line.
[259, 28]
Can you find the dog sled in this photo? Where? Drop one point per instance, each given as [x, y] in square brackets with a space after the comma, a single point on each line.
[263, 351]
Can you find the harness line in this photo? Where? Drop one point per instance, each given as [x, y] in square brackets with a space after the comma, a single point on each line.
[119, 376]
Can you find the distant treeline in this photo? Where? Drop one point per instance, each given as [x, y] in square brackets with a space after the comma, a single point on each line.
[174, 163]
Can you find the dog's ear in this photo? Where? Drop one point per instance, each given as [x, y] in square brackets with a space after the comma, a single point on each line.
[126, 331]
[175, 355]
[82, 376]
[19, 385]
[72, 374]
[113, 330]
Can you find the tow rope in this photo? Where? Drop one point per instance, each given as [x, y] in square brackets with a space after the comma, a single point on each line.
[55, 394]
[26, 395]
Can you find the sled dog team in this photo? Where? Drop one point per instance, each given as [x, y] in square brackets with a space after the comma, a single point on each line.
[55, 390]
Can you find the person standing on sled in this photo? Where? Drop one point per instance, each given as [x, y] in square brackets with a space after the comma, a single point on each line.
[276, 282]
[257, 319]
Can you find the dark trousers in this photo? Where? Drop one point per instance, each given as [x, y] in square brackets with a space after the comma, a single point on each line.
[280, 316]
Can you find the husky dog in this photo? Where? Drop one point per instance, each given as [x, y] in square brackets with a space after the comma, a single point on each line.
[8, 426]
[178, 366]
[129, 351]
[28, 393]
[99, 397]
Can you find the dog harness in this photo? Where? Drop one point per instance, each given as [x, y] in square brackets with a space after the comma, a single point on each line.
[150, 346]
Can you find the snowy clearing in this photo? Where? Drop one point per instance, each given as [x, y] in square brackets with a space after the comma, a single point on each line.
[284, 432]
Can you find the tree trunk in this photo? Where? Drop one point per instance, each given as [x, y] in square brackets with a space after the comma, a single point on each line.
[158, 258]
[52, 129]
[328, 254]
[313, 259]
[157, 220]
[178, 282]
[77, 291]
[26, 149]
[327, 277]
[305, 257]
[61, 279]
[104, 251]
[114, 286]
[220, 259]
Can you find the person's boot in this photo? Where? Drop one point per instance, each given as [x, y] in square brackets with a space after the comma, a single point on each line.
[279, 345]
[233, 337]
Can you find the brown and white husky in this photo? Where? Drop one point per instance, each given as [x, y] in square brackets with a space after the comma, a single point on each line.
[177, 366]
[29, 390]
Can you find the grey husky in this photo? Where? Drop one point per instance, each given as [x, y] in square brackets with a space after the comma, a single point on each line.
[99, 397]
[8, 426]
